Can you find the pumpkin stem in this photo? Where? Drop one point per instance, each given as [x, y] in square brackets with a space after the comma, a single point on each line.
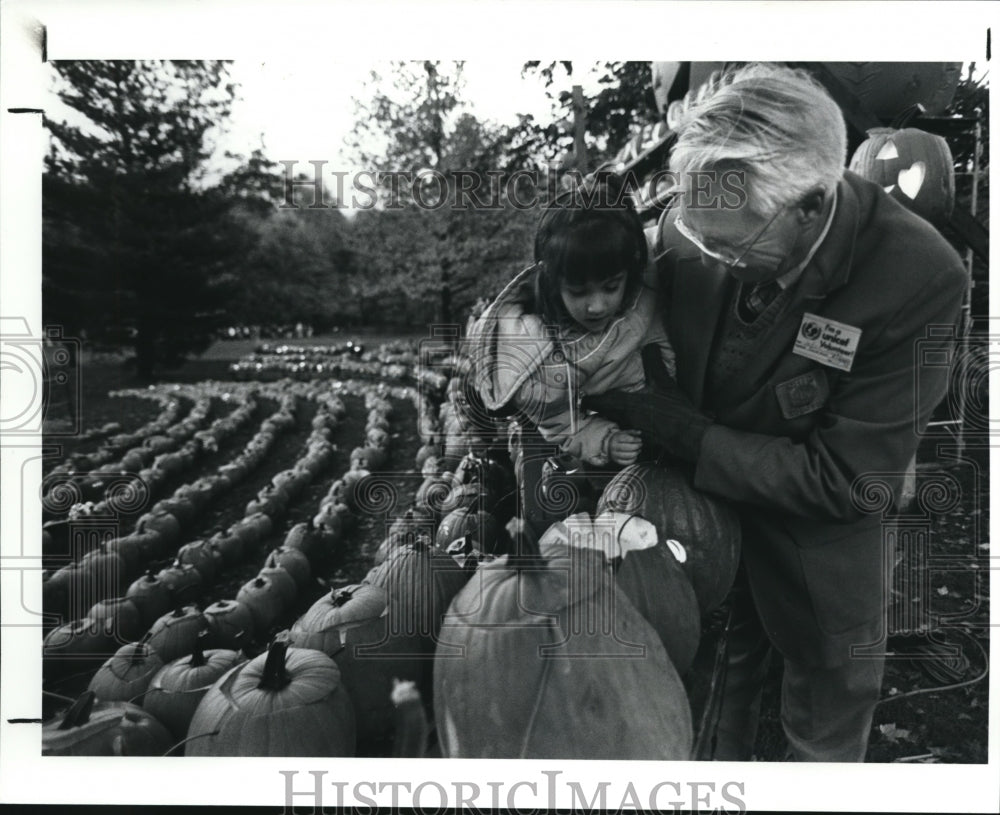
[197, 651]
[340, 597]
[139, 651]
[79, 712]
[275, 676]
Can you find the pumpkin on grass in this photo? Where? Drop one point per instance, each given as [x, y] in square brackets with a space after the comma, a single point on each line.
[287, 702]
[345, 624]
[80, 644]
[471, 521]
[421, 581]
[91, 728]
[126, 675]
[174, 634]
[151, 597]
[183, 581]
[121, 616]
[265, 600]
[176, 689]
[292, 561]
[706, 527]
[230, 623]
[558, 670]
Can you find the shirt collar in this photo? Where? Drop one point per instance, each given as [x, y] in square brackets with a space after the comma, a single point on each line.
[790, 277]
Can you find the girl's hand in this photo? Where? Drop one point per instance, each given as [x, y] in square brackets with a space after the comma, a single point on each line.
[624, 447]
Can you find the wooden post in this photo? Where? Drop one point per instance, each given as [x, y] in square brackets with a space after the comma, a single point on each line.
[579, 130]
[966, 320]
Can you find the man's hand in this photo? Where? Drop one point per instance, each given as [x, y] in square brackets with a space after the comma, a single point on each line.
[624, 447]
[667, 418]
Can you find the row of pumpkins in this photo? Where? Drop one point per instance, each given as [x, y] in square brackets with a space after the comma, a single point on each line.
[112, 564]
[486, 635]
[197, 563]
[105, 571]
[315, 362]
[227, 624]
[121, 482]
[395, 362]
[114, 448]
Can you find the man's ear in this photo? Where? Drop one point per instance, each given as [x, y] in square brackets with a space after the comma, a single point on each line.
[810, 206]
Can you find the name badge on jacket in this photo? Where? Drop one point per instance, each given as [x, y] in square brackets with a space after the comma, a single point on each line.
[827, 341]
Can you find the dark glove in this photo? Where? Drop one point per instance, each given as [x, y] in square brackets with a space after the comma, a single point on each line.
[655, 369]
[665, 415]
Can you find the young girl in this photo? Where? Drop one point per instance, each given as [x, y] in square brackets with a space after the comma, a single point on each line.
[574, 324]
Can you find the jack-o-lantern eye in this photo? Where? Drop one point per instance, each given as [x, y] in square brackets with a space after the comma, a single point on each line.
[914, 167]
[887, 151]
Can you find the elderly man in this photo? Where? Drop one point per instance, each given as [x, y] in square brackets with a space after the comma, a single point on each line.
[796, 294]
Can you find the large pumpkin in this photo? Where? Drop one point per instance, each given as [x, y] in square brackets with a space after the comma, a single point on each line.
[707, 528]
[550, 669]
[913, 166]
[287, 702]
[350, 625]
[421, 581]
[647, 571]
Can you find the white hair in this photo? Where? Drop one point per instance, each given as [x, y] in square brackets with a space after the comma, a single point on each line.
[777, 124]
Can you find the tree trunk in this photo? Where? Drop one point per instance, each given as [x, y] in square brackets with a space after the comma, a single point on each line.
[145, 352]
[445, 289]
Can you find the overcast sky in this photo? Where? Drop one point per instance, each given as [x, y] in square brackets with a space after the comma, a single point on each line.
[303, 109]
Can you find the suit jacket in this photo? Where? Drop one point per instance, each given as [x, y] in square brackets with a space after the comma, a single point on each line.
[793, 436]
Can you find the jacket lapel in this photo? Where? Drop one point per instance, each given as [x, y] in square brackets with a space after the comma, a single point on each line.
[699, 296]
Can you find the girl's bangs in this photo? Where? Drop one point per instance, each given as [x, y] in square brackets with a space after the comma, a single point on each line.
[593, 252]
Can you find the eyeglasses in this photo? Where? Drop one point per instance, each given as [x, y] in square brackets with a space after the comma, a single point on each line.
[727, 259]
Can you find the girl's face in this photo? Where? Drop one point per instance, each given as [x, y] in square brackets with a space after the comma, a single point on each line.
[593, 304]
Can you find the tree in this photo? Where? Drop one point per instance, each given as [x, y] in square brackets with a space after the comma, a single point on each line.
[135, 243]
[624, 103]
[426, 237]
[296, 268]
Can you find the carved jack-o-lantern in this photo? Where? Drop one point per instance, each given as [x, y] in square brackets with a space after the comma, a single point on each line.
[914, 167]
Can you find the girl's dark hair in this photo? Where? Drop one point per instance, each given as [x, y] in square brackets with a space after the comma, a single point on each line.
[588, 234]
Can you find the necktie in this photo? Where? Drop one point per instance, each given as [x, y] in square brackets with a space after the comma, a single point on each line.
[755, 299]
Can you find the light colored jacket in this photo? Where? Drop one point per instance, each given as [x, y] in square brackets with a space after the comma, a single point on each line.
[544, 371]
